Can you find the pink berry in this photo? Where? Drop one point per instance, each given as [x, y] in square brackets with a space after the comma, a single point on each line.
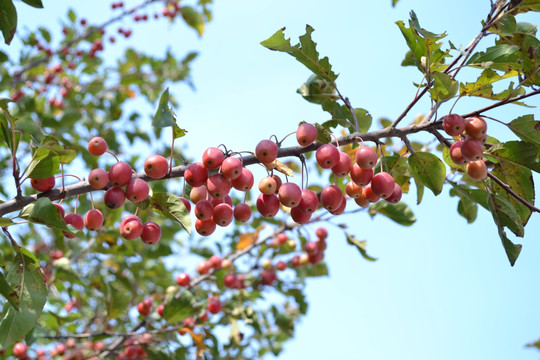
[183, 279]
[212, 158]
[242, 212]
[290, 194]
[327, 156]
[366, 157]
[268, 205]
[266, 151]
[156, 166]
[196, 174]
[218, 186]
[383, 185]
[299, 216]
[97, 146]
[206, 227]
[151, 233]
[137, 190]
[114, 197]
[20, 350]
[396, 195]
[344, 165]
[120, 174]
[231, 167]
[331, 197]
[306, 134]
[453, 124]
[131, 230]
[93, 219]
[472, 149]
[204, 210]
[223, 214]
[309, 201]
[456, 155]
[98, 179]
[245, 181]
[361, 177]
[43, 185]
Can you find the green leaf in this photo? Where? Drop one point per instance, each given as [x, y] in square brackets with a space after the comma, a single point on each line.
[44, 212]
[178, 132]
[360, 245]
[35, 3]
[318, 90]
[9, 293]
[394, 2]
[305, 52]
[193, 18]
[8, 20]
[170, 206]
[26, 278]
[429, 170]
[178, 306]
[316, 270]
[44, 164]
[364, 119]
[5, 222]
[117, 300]
[164, 116]
[526, 128]
[400, 212]
[502, 57]
[444, 87]
[483, 86]
[512, 250]
[518, 152]
[467, 209]
[71, 15]
[65, 155]
[527, 5]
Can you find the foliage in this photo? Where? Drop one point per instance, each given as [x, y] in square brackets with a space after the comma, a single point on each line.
[62, 284]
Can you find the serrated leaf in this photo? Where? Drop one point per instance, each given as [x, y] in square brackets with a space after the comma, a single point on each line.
[44, 164]
[8, 20]
[164, 116]
[527, 128]
[193, 18]
[429, 170]
[360, 245]
[518, 152]
[444, 87]
[178, 132]
[305, 52]
[512, 250]
[318, 90]
[178, 306]
[400, 212]
[324, 136]
[170, 206]
[27, 280]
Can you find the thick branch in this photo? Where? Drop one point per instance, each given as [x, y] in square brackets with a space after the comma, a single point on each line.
[84, 187]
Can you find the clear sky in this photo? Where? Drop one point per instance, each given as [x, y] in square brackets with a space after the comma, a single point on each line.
[441, 289]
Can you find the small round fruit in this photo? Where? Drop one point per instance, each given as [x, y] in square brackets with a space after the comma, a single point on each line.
[98, 179]
[472, 150]
[114, 197]
[306, 134]
[74, 219]
[231, 167]
[131, 230]
[218, 186]
[396, 195]
[93, 219]
[309, 201]
[341, 208]
[383, 184]
[214, 306]
[266, 151]
[137, 190]
[20, 350]
[97, 146]
[321, 233]
[477, 170]
[290, 194]
[120, 174]
[299, 216]
[268, 277]
[230, 281]
[223, 214]
[453, 124]
[281, 265]
[129, 218]
[366, 157]
[186, 203]
[245, 181]
[183, 279]
[198, 193]
[196, 174]
[331, 197]
[212, 158]
[205, 228]
[361, 177]
[370, 195]
[353, 190]
[151, 233]
[204, 210]
[215, 262]
[476, 127]
[268, 205]
[43, 185]
[343, 167]
[242, 212]
[362, 201]
[203, 267]
[267, 185]
[456, 155]
[327, 156]
[156, 166]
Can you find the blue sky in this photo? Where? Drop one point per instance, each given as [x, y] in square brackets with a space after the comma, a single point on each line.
[441, 289]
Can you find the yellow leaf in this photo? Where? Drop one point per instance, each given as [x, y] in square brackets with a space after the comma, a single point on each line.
[198, 340]
[246, 240]
[279, 166]
[131, 94]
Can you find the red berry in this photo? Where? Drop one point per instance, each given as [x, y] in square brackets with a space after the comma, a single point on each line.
[366, 157]
[196, 174]
[20, 350]
[60, 209]
[290, 194]
[114, 197]
[331, 197]
[267, 185]
[205, 228]
[477, 170]
[203, 267]
[214, 306]
[212, 158]
[281, 265]
[268, 205]
[120, 174]
[74, 219]
[306, 134]
[266, 151]
[223, 214]
[183, 279]
[343, 167]
[309, 201]
[396, 195]
[204, 210]
[43, 185]
[476, 127]
[198, 193]
[97, 146]
[160, 309]
[137, 190]
[361, 177]
[341, 208]
[186, 202]
[472, 150]
[231, 167]
[282, 238]
[321, 233]
[129, 218]
[215, 262]
[383, 184]
[245, 181]
[242, 212]
[151, 233]
[98, 179]
[230, 281]
[93, 219]
[327, 156]
[353, 190]
[131, 230]
[370, 195]
[299, 216]
[268, 277]
[456, 155]
[453, 124]
[156, 166]
[218, 186]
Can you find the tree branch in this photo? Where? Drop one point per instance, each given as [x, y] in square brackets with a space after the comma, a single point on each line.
[502, 102]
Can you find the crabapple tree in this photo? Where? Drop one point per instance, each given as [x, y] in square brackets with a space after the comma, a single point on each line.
[90, 258]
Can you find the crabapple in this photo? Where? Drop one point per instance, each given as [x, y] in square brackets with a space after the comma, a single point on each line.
[341, 208]
[343, 167]
[43, 185]
[242, 212]
[230, 280]
[290, 194]
[361, 200]
[456, 155]
[204, 210]
[120, 174]
[156, 166]
[129, 218]
[160, 309]
[321, 233]
[353, 190]
[114, 197]
[309, 201]
[20, 350]
[186, 202]
[268, 277]
[212, 158]
[223, 214]
[331, 197]
[245, 181]
[151, 233]
[137, 190]
[277, 179]
[299, 216]
[476, 127]
[361, 177]
[477, 170]
[198, 193]
[93, 219]
[196, 174]
[472, 150]
[306, 134]
[131, 230]
[215, 262]
[366, 157]
[60, 209]
[74, 219]
[382, 184]
[97, 146]
[327, 156]
[203, 267]
[218, 186]
[231, 167]
[311, 247]
[295, 261]
[226, 200]
[395, 197]
[281, 265]
[453, 124]
[189, 322]
[267, 185]
[206, 227]
[370, 195]
[98, 179]
[282, 238]
[183, 279]
[266, 151]
[268, 205]
[214, 305]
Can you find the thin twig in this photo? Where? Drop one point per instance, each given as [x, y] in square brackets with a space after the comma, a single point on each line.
[509, 190]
